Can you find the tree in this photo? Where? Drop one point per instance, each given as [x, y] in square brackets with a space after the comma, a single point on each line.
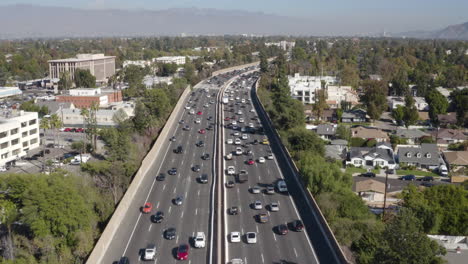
[263, 61]
[460, 105]
[167, 69]
[298, 54]
[84, 78]
[30, 106]
[65, 81]
[189, 73]
[349, 75]
[320, 102]
[343, 132]
[90, 123]
[398, 114]
[301, 139]
[411, 115]
[374, 97]
[438, 104]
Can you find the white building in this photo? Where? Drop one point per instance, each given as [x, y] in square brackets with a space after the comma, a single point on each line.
[284, 45]
[179, 60]
[140, 63]
[419, 102]
[338, 94]
[9, 91]
[104, 117]
[149, 80]
[19, 133]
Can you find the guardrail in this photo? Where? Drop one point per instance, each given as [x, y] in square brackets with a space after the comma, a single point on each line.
[337, 252]
[124, 205]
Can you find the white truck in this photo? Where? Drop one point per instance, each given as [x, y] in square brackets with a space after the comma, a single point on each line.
[83, 158]
[225, 100]
[200, 240]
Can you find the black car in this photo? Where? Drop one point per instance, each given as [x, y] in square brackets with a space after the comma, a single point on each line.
[427, 184]
[181, 121]
[408, 178]
[204, 178]
[158, 217]
[200, 143]
[178, 150]
[172, 139]
[172, 171]
[282, 229]
[368, 174]
[234, 210]
[124, 260]
[161, 177]
[255, 142]
[427, 178]
[210, 118]
[178, 200]
[229, 184]
[196, 168]
[170, 233]
[206, 156]
[210, 127]
[297, 225]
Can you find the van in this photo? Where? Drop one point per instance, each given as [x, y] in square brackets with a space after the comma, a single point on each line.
[443, 170]
[281, 185]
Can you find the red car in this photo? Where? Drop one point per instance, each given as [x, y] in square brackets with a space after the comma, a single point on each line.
[79, 130]
[147, 208]
[251, 162]
[67, 129]
[183, 252]
[200, 113]
[227, 119]
[202, 131]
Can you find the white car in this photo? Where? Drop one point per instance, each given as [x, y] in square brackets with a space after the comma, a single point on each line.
[281, 185]
[237, 98]
[245, 136]
[231, 170]
[251, 125]
[237, 141]
[236, 134]
[197, 121]
[252, 110]
[261, 160]
[257, 205]
[234, 123]
[187, 107]
[239, 112]
[270, 156]
[206, 105]
[243, 101]
[274, 207]
[200, 240]
[255, 189]
[239, 151]
[149, 253]
[241, 120]
[229, 141]
[251, 237]
[235, 237]
[192, 112]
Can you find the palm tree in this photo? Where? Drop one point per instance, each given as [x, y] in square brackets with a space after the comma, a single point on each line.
[55, 124]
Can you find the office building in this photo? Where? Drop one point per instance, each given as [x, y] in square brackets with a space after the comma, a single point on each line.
[100, 66]
[179, 60]
[85, 97]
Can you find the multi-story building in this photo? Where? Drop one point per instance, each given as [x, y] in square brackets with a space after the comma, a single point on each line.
[9, 91]
[85, 97]
[100, 66]
[140, 63]
[284, 45]
[179, 60]
[19, 133]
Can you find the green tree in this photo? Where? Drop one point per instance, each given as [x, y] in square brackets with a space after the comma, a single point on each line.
[343, 132]
[411, 115]
[374, 97]
[438, 104]
[90, 123]
[398, 114]
[301, 139]
[30, 106]
[320, 102]
[263, 61]
[298, 53]
[65, 81]
[349, 75]
[460, 105]
[84, 78]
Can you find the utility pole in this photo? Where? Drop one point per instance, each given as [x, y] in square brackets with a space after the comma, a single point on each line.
[385, 196]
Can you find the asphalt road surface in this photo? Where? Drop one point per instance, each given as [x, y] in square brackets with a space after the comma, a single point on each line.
[271, 247]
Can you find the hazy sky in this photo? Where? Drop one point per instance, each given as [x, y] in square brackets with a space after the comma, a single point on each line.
[365, 15]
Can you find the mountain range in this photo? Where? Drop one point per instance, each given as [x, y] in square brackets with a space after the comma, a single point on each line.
[31, 21]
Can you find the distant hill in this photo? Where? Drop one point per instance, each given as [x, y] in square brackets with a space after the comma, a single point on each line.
[459, 32]
[29, 21]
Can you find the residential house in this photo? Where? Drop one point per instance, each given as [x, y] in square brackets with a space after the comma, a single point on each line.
[326, 131]
[337, 149]
[423, 156]
[412, 136]
[354, 116]
[54, 107]
[446, 136]
[419, 102]
[369, 133]
[380, 155]
[370, 190]
[328, 115]
[457, 160]
[448, 119]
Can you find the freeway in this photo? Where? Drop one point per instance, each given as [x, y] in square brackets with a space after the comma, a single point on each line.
[271, 247]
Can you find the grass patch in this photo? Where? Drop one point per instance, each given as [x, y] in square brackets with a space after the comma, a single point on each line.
[416, 172]
[355, 170]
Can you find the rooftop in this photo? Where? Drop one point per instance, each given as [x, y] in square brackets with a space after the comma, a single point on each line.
[84, 57]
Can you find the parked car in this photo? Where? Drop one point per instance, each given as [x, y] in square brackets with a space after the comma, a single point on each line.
[368, 174]
[427, 178]
[408, 178]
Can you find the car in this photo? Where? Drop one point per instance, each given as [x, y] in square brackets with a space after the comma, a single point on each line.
[239, 112]
[228, 156]
[281, 185]
[181, 121]
[187, 107]
[196, 168]
[408, 178]
[241, 120]
[245, 136]
[149, 253]
[252, 110]
[67, 129]
[251, 125]
[210, 118]
[231, 170]
[236, 134]
[368, 174]
[230, 184]
[251, 237]
[124, 260]
[203, 178]
[172, 139]
[210, 127]
[427, 179]
[206, 105]
[200, 240]
[255, 190]
[146, 209]
[427, 184]
[183, 252]
[199, 113]
[192, 112]
[197, 121]
[257, 205]
[261, 160]
[161, 177]
[229, 141]
[206, 156]
[227, 118]
[235, 237]
[239, 151]
[234, 210]
[270, 189]
[186, 128]
[79, 130]
[282, 229]
[251, 162]
[200, 143]
[158, 217]
[262, 218]
[265, 141]
[178, 200]
[236, 261]
[202, 131]
[179, 149]
[297, 225]
[270, 156]
[274, 207]
[234, 123]
[170, 233]
[248, 152]
[172, 171]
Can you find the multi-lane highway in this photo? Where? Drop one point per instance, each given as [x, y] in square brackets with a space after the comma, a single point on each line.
[271, 247]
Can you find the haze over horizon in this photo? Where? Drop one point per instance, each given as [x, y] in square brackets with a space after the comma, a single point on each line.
[339, 16]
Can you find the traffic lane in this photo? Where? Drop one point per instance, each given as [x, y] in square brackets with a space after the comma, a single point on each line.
[322, 247]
